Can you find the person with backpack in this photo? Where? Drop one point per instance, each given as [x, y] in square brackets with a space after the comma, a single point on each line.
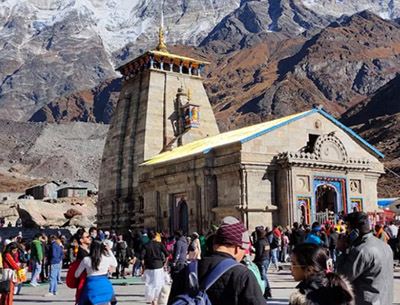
[275, 241]
[262, 259]
[97, 289]
[23, 260]
[221, 278]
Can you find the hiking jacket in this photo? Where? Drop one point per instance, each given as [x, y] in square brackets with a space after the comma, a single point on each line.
[316, 291]
[263, 250]
[237, 286]
[57, 253]
[368, 265]
[180, 250]
[36, 250]
[298, 237]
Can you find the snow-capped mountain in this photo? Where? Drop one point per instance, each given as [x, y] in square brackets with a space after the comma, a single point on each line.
[386, 9]
[50, 48]
[119, 22]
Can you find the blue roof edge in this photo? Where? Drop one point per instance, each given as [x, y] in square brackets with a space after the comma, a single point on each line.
[351, 132]
[278, 126]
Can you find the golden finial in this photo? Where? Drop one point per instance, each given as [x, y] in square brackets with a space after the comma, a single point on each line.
[189, 94]
[161, 45]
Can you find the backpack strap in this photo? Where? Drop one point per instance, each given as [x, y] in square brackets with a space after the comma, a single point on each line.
[192, 278]
[217, 272]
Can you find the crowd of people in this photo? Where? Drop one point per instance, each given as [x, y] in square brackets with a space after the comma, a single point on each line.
[350, 262]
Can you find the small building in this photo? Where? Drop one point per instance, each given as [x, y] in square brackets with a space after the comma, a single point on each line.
[45, 190]
[73, 192]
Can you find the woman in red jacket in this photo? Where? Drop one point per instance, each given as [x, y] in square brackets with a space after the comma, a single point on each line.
[10, 268]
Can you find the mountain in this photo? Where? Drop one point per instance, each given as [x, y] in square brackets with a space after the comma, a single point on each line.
[337, 67]
[49, 151]
[268, 58]
[383, 103]
[377, 119]
[55, 48]
[96, 105]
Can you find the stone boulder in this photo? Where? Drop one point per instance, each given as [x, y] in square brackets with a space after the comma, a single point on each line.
[36, 213]
[72, 213]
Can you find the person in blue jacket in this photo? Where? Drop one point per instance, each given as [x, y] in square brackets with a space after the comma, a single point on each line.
[314, 238]
[56, 255]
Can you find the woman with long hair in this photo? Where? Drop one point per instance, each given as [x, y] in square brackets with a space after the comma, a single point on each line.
[10, 267]
[318, 285]
[97, 289]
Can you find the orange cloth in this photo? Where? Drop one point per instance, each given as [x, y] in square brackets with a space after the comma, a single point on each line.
[379, 234]
[7, 299]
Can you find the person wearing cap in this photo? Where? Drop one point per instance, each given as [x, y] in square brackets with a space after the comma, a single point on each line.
[366, 262]
[314, 238]
[108, 240]
[238, 285]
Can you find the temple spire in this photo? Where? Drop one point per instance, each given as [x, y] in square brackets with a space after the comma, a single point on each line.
[161, 45]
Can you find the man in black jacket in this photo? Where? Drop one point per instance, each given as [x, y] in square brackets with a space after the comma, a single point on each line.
[238, 285]
[298, 235]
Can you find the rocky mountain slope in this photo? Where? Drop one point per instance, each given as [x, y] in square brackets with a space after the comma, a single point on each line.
[269, 58]
[49, 151]
[337, 67]
[96, 105]
[54, 48]
[377, 119]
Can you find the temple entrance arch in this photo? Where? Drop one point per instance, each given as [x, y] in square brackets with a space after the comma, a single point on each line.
[330, 193]
[326, 198]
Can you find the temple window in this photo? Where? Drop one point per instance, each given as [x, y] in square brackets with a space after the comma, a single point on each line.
[175, 68]
[185, 70]
[312, 138]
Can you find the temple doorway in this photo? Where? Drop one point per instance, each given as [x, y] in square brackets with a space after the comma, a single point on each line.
[183, 217]
[326, 198]
[179, 214]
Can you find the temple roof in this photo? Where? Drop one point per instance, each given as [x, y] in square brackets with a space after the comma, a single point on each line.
[245, 134]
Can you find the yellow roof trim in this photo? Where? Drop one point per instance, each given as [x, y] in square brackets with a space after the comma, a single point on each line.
[170, 55]
[240, 135]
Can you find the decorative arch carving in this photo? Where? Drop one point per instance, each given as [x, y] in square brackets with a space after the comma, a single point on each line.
[329, 147]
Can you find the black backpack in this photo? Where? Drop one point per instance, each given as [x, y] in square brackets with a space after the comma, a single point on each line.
[22, 255]
[276, 241]
[196, 293]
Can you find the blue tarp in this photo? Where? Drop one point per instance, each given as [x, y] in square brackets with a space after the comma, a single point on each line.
[386, 201]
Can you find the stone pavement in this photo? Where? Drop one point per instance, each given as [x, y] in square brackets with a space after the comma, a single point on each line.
[131, 291]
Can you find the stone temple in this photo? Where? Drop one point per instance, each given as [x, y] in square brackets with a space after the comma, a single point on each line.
[165, 165]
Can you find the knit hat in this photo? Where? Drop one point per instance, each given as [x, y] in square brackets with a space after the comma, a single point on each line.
[232, 232]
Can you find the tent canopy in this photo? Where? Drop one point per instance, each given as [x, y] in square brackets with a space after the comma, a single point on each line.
[383, 202]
